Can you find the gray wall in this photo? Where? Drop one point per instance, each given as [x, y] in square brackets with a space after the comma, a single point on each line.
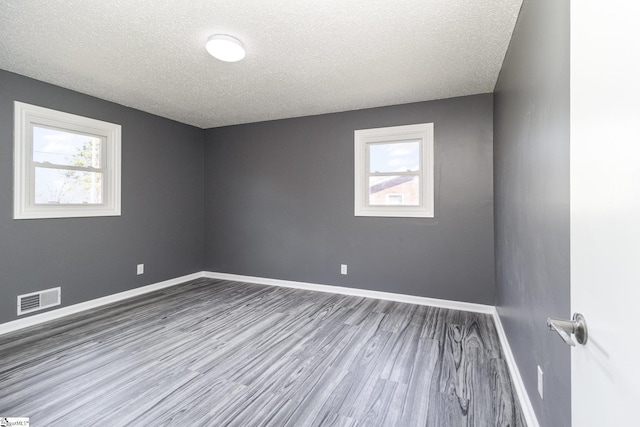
[531, 161]
[162, 207]
[279, 204]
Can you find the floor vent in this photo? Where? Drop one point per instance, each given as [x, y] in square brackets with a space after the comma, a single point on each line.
[38, 300]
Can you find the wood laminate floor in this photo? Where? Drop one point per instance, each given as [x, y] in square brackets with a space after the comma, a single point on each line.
[220, 353]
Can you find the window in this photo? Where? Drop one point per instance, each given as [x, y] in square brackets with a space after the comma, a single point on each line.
[394, 171]
[64, 165]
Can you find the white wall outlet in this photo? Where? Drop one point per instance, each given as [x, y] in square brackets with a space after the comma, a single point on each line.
[140, 269]
[540, 382]
[343, 269]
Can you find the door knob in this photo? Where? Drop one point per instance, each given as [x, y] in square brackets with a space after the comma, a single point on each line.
[566, 328]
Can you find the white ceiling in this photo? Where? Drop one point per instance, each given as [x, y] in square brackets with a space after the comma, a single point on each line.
[304, 57]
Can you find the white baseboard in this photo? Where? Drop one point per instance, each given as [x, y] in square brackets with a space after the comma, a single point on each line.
[525, 403]
[411, 299]
[94, 303]
[523, 397]
[521, 391]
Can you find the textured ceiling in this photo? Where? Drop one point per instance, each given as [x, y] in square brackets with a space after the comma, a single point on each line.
[303, 57]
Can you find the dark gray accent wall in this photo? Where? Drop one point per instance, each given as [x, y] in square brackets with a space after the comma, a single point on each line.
[531, 173]
[162, 207]
[279, 204]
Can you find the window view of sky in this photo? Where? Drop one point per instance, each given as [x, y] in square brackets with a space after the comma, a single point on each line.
[62, 148]
[394, 157]
[61, 185]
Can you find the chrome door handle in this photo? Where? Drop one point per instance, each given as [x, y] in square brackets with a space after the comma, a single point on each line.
[566, 328]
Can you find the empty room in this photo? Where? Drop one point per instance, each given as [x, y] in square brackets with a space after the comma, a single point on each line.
[304, 213]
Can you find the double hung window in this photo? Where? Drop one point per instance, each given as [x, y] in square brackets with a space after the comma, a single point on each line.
[394, 171]
[64, 165]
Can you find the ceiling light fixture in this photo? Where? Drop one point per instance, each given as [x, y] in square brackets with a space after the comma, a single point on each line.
[225, 48]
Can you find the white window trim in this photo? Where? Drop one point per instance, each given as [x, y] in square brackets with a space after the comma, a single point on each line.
[25, 116]
[363, 137]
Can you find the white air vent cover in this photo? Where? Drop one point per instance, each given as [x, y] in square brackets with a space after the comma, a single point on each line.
[38, 300]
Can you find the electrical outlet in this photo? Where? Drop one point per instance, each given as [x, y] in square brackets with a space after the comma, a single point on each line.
[343, 269]
[140, 269]
[540, 382]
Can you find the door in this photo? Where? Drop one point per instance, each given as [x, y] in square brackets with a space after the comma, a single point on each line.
[605, 210]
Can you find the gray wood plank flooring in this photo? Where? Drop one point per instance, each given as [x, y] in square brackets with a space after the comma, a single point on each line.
[221, 353]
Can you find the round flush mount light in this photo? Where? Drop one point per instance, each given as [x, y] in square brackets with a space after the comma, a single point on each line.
[225, 48]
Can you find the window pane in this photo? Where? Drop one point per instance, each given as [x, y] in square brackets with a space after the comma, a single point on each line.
[64, 186]
[65, 148]
[394, 190]
[394, 157]
[395, 199]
